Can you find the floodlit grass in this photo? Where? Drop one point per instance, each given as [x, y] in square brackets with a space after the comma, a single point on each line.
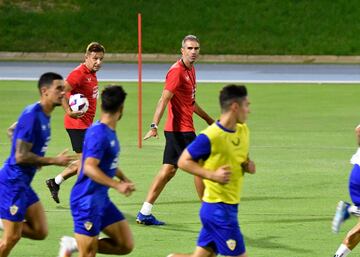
[301, 139]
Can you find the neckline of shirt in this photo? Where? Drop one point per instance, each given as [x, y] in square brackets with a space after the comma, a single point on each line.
[223, 128]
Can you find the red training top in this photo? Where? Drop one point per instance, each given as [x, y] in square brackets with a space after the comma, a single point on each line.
[82, 81]
[181, 81]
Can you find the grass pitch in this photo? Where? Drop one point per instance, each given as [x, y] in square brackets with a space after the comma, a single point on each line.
[301, 140]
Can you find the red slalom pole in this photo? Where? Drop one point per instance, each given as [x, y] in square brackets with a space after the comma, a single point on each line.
[139, 84]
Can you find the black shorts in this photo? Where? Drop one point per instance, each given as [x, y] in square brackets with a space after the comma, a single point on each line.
[77, 137]
[176, 142]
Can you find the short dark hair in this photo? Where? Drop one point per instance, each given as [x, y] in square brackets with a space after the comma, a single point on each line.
[231, 93]
[95, 47]
[112, 98]
[47, 79]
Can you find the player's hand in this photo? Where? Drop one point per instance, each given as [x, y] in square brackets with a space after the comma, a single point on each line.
[76, 114]
[221, 175]
[10, 131]
[249, 167]
[125, 188]
[62, 159]
[152, 133]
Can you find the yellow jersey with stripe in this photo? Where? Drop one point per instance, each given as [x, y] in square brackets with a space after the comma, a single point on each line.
[225, 147]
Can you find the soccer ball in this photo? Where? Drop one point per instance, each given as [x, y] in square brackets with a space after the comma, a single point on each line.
[78, 102]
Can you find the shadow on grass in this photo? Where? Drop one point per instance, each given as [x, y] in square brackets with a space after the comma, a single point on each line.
[267, 243]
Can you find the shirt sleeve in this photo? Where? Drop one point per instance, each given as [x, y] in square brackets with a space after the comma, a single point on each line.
[74, 78]
[173, 79]
[25, 128]
[200, 148]
[95, 146]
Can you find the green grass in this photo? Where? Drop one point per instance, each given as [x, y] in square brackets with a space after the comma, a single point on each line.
[224, 27]
[301, 139]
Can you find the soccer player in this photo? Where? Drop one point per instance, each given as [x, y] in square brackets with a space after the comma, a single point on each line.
[179, 96]
[220, 155]
[22, 214]
[82, 80]
[91, 207]
[344, 209]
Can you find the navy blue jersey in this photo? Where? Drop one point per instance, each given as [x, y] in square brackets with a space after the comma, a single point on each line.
[33, 127]
[100, 143]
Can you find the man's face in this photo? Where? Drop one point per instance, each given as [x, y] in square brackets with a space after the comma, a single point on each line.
[190, 51]
[94, 60]
[55, 93]
[243, 110]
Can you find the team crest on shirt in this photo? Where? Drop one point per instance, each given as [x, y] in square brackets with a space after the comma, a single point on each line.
[13, 209]
[187, 78]
[89, 79]
[236, 143]
[88, 225]
[231, 243]
[112, 143]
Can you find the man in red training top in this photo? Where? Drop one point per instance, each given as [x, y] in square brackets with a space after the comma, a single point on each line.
[82, 80]
[179, 96]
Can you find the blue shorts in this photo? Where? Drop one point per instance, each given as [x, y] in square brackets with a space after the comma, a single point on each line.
[221, 231]
[90, 221]
[15, 200]
[354, 185]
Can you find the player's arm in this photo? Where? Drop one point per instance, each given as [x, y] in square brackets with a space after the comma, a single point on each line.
[10, 130]
[120, 175]
[92, 170]
[24, 156]
[159, 111]
[188, 164]
[202, 114]
[65, 103]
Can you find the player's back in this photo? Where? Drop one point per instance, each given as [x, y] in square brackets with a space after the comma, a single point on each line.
[100, 143]
[33, 127]
[227, 148]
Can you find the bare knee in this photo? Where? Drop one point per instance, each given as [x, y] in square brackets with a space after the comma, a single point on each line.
[128, 247]
[168, 172]
[40, 232]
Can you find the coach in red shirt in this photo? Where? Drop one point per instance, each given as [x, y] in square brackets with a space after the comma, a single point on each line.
[82, 80]
[179, 96]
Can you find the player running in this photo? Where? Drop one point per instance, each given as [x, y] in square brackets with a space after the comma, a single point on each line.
[179, 96]
[21, 212]
[82, 80]
[344, 209]
[220, 155]
[91, 207]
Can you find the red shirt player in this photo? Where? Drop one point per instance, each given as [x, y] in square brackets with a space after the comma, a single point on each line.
[179, 96]
[82, 80]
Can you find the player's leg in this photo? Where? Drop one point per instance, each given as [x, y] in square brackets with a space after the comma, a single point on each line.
[119, 241]
[351, 240]
[11, 235]
[165, 174]
[87, 245]
[77, 138]
[200, 187]
[35, 226]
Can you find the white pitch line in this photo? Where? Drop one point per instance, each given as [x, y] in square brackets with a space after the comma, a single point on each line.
[270, 81]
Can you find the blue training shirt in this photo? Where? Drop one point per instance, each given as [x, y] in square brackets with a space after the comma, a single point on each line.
[33, 127]
[100, 143]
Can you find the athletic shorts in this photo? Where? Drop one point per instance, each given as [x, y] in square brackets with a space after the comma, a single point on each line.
[15, 201]
[176, 142]
[90, 221]
[221, 231]
[77, 137]
[354, 185]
